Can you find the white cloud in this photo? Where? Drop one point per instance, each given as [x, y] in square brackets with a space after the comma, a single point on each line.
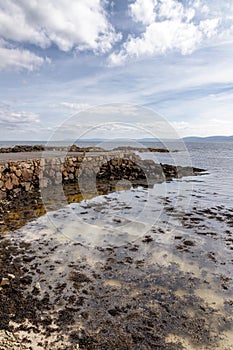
[209, 26]
[170, 26]
[159, 38]
[203, 126]
[75, 24]
[18, 59]
[174, 10]
[143, 11]
[113, 112]
[14, 120]
[180, 126]
[74, 106]
[103, 110]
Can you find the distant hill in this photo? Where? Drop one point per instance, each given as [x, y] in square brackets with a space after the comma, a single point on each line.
[208, 139]
[192, 139]
[146, 140]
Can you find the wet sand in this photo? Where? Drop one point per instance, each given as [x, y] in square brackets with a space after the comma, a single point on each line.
[167, 289]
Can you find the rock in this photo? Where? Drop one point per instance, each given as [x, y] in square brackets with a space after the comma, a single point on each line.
[26, 186]
[140, 149]
[74, 148]
[4, 282]
[42, 162]
[37, 288]
[58, 178]
[44, 182]
[189, 243]
[15, 180]
[22, 148]
[18, 172]
[27, 174]
[2, 195]
[9, 185]
[13, 168]
[51, 173]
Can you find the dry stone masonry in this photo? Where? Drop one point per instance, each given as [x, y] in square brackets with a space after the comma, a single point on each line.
[35, 174]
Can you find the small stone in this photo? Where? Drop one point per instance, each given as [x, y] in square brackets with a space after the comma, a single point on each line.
[51, 173]
[42, 162]
[189, 243]
[4, 282]
[9, 185]
[58, 178]
[27, 186]
[38, 287]
[14, 180]
[2, 194]
[27, 174]
[18, 173]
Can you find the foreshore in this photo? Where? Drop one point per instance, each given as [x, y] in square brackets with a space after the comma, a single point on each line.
[58, 293]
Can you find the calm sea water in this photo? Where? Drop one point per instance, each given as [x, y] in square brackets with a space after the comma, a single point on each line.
[217, 159]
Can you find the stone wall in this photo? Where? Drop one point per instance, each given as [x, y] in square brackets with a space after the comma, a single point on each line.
[31, 175]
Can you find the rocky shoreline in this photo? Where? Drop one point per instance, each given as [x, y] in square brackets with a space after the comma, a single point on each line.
[29, 175]
[22, 148]
[58, 294]
[25, 184]
[75, 148]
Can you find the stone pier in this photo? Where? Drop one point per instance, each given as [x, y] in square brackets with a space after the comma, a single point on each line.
[34, 174]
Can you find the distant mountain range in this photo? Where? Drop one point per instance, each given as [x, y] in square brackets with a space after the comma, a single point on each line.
[208, 139]
[193, 139]
[146, 140]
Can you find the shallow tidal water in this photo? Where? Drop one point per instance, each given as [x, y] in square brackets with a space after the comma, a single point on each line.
[141, 268]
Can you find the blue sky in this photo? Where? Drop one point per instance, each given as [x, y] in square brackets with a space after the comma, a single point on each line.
[58, 58]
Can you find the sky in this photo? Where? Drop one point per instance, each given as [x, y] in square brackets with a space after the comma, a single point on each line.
[172, 58]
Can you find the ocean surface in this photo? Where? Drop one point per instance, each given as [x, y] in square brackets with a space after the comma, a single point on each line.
[217, 159]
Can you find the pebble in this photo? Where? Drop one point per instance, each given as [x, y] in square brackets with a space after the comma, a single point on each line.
[11, 276]
[4, 282]
[9, 342]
